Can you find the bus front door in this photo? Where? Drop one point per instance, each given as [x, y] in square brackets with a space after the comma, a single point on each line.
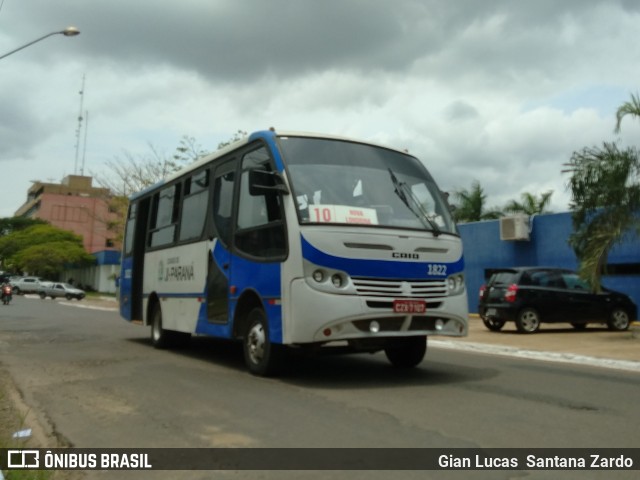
[218, 285]
[219, 270]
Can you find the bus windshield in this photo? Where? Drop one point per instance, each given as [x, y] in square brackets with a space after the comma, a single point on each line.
[343, 182]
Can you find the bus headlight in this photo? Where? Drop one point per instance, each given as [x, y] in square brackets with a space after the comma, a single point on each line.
[455, 284]
[327, 279]
[318, 276]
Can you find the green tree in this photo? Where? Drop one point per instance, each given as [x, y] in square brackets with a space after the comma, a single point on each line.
[605, 189]
[530, 204]
[605, 199]
[470, 205]
[42, 250]
[12, 224]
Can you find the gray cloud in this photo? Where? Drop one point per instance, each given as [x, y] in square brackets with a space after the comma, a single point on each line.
[243, 40]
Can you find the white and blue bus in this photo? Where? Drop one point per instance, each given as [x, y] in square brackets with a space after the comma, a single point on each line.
[291, 240]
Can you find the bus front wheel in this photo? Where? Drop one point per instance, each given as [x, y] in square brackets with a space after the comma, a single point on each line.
[406, 352]
[262, 357]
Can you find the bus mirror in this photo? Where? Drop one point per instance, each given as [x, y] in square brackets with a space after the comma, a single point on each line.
[262, 182]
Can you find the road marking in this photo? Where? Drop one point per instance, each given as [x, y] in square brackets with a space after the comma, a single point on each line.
[89, 306]
[77, 303]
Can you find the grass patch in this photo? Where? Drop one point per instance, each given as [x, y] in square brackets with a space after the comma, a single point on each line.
[98, 295]
[11, 421]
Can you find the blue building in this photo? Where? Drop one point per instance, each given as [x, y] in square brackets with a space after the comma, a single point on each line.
[99, 277]
[540, 240]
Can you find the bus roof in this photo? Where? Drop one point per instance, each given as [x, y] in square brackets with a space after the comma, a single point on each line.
[265, 134]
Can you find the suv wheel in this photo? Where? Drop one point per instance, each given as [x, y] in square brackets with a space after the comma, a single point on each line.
[493, 324]
[528, 321]
[618, 320]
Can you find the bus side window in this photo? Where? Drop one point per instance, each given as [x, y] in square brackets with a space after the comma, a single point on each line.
[194, 206]
[166, 208]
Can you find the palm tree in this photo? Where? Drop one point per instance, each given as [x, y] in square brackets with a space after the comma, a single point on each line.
[470, 205]
[605, 199]
[531, 204]
[627, 108]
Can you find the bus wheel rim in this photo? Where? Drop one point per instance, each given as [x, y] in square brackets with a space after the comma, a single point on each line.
[256, 342]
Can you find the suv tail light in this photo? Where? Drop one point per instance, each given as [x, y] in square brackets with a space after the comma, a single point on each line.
[510, 294]
[483, 289]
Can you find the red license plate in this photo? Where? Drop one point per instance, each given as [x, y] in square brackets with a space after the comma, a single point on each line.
[409, 306]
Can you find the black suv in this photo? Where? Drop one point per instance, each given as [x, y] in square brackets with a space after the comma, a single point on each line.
[529, 296]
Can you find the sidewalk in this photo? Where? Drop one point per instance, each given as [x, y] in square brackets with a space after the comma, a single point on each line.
[595, 341]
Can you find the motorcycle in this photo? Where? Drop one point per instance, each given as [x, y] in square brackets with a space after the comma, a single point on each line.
[6, 294]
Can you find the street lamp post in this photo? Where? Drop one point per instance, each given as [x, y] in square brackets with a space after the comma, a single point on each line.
[67, 32]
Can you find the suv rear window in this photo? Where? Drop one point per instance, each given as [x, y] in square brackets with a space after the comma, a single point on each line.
[574, 282]
[502, 278]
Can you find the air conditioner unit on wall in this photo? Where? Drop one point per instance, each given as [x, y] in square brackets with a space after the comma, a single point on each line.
[514, 228]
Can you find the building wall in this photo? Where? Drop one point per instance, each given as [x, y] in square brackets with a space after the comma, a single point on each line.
[548, 246]
[100, 277]
[83, 216]
[72, 205]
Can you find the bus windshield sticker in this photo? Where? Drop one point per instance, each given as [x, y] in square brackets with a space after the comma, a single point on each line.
[343, 214]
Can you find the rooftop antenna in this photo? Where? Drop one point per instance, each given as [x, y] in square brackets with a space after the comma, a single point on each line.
[79, 129]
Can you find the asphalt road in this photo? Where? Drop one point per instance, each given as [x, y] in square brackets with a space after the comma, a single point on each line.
[95, 381]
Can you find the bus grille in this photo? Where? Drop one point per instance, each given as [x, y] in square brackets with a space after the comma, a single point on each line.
[399, 288]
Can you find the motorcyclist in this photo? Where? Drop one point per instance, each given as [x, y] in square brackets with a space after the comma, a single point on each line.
[7, 291]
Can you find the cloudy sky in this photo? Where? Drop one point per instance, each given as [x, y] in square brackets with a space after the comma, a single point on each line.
[501, 92]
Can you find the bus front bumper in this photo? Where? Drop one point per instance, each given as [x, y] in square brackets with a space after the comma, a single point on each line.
[315, 316]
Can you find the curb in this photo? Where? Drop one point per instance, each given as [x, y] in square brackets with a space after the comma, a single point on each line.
[635, 323]
[558, 357]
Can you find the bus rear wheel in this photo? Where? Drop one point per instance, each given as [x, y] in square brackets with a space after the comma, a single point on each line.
[161, 338]
[262, 357]
[406, 352]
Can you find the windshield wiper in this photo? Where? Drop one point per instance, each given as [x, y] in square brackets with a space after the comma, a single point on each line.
[407, 196]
